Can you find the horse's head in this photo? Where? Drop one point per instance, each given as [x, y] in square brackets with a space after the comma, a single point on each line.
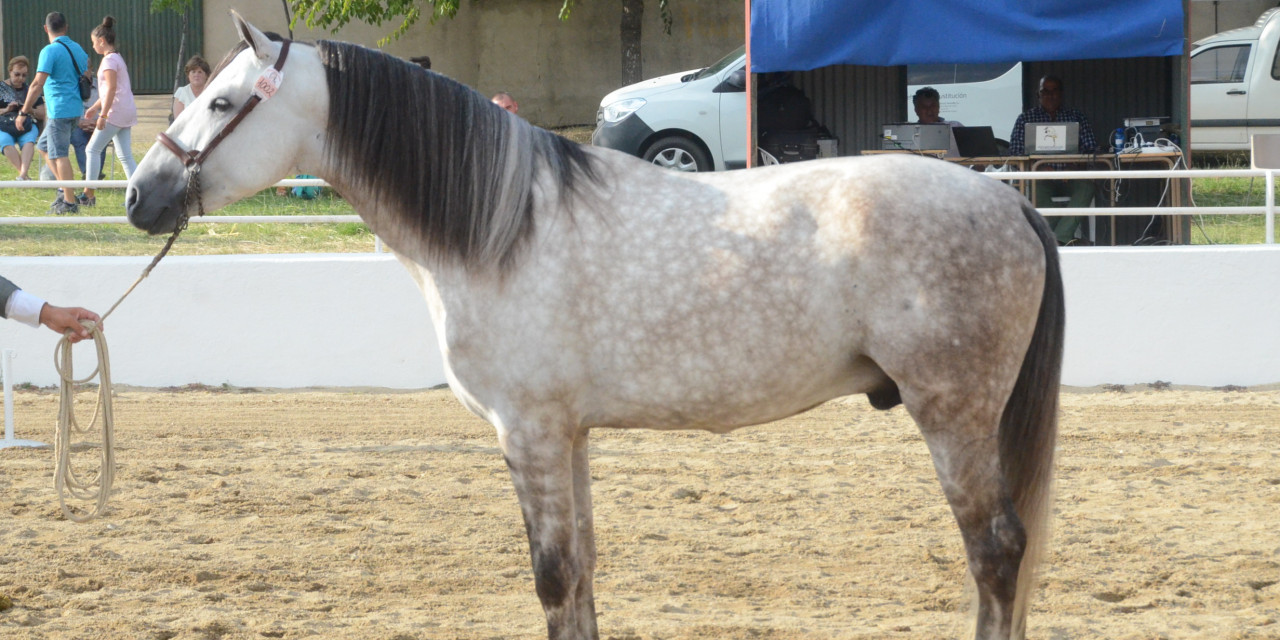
[237, 155]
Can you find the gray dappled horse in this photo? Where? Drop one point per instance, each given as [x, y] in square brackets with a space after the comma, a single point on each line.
[573, 288]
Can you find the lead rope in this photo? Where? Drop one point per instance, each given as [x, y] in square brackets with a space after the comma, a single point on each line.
[65, 480]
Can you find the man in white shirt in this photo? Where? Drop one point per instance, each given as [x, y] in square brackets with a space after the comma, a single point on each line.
[927, 104]
[30, 310]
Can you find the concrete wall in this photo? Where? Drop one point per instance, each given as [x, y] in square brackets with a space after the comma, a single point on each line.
[558, 71]
[1199, 316]
[1207, 17]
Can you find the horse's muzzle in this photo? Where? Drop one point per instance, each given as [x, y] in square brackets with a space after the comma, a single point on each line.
[154, 210]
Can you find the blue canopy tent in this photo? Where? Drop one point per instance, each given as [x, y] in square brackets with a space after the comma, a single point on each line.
[790, 35]
[1118, 58]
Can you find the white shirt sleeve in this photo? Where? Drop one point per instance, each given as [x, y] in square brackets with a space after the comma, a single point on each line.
[24, 308]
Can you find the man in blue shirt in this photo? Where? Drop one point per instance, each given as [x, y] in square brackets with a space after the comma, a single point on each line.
[58, 78]
[1050, 109]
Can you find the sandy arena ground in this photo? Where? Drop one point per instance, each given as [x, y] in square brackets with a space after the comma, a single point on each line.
[388, 516]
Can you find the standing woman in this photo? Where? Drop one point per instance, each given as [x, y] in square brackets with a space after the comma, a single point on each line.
[197, 75]
[115, 112]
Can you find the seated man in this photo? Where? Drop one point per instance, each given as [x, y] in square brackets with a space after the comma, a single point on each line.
[79, 141]
[926, 102]
[1050, 109]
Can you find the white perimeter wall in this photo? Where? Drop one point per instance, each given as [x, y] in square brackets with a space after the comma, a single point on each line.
[273, 321]
[1197, 316]
[1187, 315]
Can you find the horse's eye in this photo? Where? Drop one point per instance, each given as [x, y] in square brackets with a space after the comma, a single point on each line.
[220, 104]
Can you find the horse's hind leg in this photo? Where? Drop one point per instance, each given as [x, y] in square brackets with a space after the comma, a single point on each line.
[544, 469]
[961, 431]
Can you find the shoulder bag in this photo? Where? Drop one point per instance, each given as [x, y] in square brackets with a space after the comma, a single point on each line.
[9, 126]
[86, 85]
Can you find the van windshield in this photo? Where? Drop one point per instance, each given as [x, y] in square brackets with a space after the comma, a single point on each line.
[722, 63]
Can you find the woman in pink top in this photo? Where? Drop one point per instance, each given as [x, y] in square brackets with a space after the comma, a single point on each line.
[115, 112]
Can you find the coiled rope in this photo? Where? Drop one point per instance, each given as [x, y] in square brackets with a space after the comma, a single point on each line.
[98, 488]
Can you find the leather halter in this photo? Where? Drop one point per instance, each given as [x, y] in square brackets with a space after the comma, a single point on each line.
[197, 157]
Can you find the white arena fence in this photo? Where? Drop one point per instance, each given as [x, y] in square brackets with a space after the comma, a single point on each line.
[1199, 315]
[1268, 209]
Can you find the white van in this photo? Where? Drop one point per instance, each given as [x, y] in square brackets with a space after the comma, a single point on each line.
[697, 120]
[1235, 85]
[690, 121]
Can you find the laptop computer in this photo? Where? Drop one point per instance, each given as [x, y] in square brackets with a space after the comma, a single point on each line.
[1046, 138]
[976, 142]
[916, 137]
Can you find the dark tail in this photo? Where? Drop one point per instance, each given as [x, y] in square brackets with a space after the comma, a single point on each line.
[1029, 426]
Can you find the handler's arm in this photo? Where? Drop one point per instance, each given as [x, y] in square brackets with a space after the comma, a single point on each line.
[64, 319]
[19, 305]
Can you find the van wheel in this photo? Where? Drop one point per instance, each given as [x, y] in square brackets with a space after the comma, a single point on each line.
[679, 154]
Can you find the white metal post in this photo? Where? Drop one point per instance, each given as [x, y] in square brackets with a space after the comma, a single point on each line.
[1271, 206]
[6, 368]
[8, 394]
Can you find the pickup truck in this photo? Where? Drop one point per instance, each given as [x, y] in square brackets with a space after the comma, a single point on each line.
[1235, 85]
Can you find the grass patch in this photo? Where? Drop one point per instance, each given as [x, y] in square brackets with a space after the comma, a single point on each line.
[1228, 192]
[579, 133]
[199, 239]
[211, 239]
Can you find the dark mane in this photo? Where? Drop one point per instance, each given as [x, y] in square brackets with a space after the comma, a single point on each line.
[226, 60]
[241, 46]
[454, 168]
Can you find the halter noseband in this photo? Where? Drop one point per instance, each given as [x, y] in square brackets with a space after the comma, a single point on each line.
[263, 89]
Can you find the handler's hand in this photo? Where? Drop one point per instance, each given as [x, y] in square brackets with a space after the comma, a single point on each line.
[64, 319]
[20, 122]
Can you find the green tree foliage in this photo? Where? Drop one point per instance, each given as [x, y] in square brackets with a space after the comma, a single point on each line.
[332, 15]
[176, 6]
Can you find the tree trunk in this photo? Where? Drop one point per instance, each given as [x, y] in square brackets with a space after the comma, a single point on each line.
[632, 18]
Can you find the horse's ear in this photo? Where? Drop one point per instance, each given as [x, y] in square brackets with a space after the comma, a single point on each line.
[253, 37]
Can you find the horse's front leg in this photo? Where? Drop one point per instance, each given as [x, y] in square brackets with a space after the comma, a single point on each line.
[547, 466]
[585, 538]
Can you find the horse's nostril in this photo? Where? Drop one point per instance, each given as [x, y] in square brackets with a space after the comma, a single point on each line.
[131, 196]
